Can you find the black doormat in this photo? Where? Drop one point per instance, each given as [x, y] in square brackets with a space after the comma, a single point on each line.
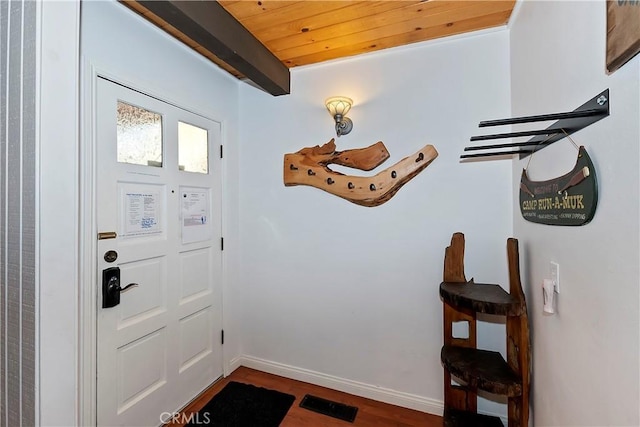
[329, 407]
[244, 405]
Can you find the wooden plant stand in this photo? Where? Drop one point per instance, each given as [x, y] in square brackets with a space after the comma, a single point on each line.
[472, 367]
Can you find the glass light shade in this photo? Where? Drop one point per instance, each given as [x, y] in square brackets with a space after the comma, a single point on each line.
[338, 105]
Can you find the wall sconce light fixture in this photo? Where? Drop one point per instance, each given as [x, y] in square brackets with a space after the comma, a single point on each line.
[338, 107]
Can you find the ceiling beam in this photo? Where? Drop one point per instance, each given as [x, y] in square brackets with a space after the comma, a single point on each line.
[210, 25]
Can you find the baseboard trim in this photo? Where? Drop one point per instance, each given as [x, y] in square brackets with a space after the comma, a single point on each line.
[406, 400]
[234, 364]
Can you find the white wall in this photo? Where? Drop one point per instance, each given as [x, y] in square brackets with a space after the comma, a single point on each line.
[57, 210]
[585, 366]
[348, 295]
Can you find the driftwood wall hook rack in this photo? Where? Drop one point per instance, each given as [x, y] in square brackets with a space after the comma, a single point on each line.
[310, 166]
[567, 123]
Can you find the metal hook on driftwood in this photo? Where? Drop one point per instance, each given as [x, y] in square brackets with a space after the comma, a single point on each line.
[362, 190]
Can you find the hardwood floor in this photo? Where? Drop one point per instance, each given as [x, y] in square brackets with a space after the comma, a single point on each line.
[370, 412]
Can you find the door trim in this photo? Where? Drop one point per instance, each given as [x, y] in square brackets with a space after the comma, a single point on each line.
[87, 265]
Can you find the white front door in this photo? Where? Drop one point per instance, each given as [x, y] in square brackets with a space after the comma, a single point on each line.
[159, 221]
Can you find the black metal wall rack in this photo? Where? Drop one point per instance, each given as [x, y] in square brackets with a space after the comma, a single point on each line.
[567, 123]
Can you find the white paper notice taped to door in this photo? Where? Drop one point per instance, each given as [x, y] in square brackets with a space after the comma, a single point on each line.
[142, 213]
[196, 213]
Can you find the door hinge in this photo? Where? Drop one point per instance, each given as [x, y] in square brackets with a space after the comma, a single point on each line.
[222, 243]
[221, 151]
[222, 336]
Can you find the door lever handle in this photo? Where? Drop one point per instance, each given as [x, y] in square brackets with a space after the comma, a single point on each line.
[130, 285]
[111, 287]
[114, 285]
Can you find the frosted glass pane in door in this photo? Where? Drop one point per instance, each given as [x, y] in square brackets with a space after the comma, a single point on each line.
[193, 148]
[139, 136]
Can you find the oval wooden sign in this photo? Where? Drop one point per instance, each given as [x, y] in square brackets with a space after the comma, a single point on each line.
[567, 200]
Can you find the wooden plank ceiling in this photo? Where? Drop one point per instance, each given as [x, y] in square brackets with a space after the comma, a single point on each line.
[312, 31]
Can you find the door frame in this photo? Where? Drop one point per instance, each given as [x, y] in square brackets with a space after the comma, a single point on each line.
[87, 257]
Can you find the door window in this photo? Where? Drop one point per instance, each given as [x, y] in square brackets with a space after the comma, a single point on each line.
[139, 136]
[192, 148]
